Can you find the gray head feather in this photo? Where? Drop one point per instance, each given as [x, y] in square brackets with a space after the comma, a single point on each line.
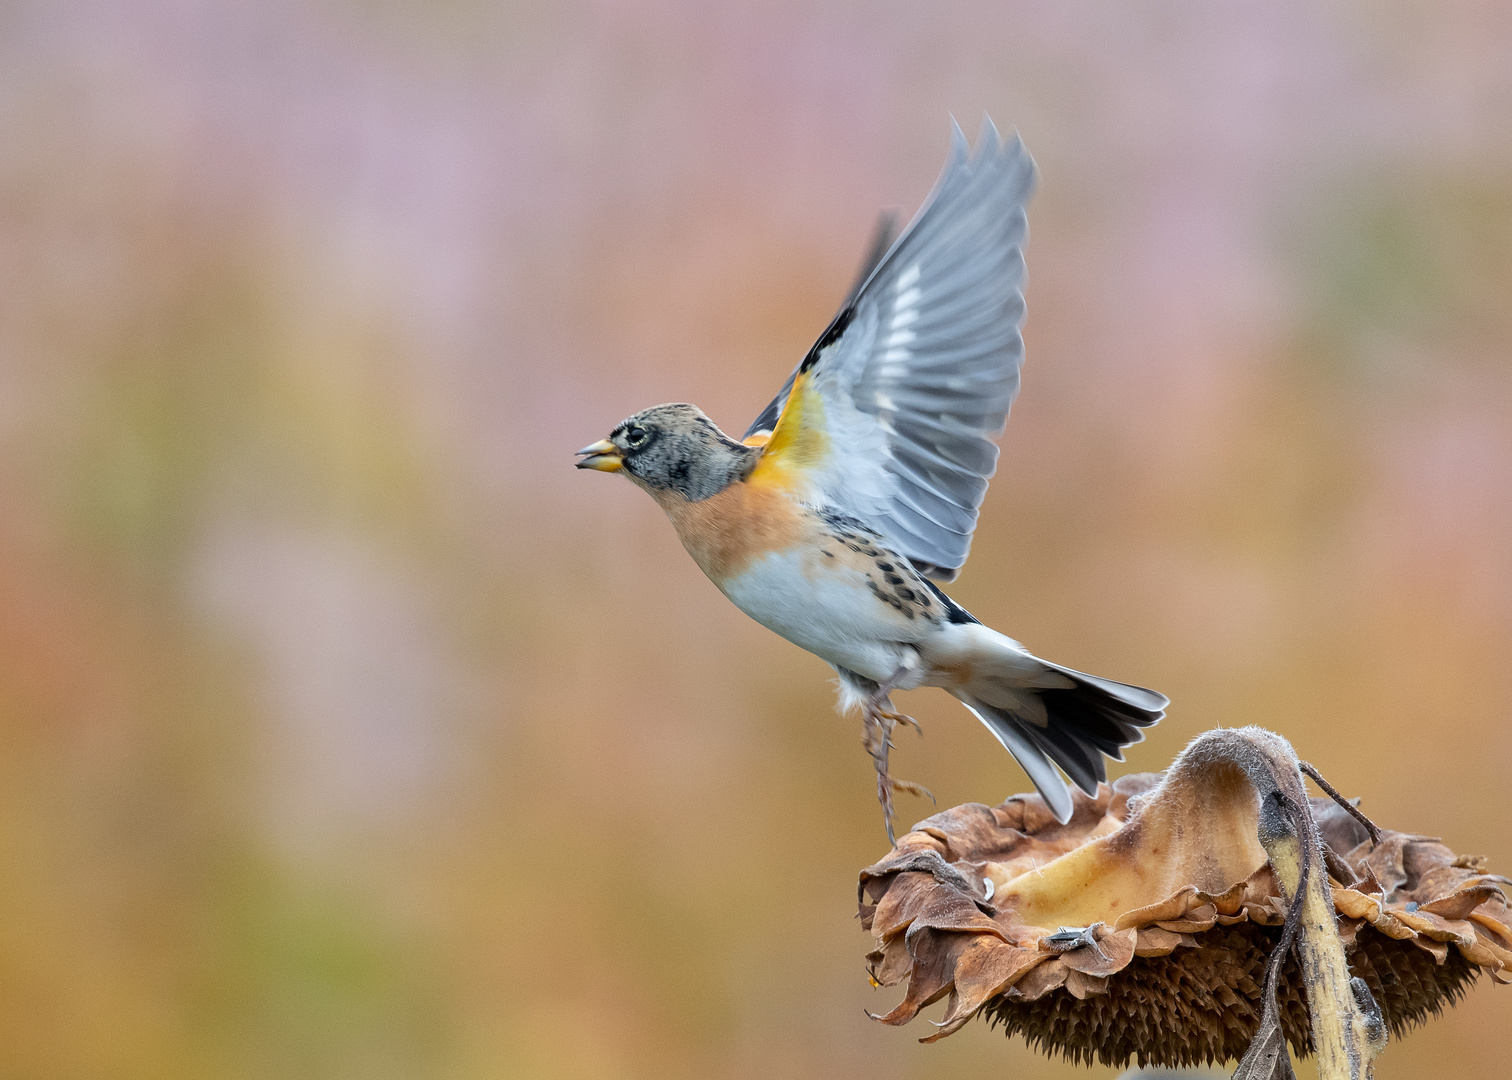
[677, 448]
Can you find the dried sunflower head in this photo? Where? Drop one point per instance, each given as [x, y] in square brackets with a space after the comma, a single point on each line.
[1140, 930]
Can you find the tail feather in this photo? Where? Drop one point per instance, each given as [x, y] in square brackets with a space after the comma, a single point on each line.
[1097, 717]
[1059, 715]
[1071, 749]
[1026, 752]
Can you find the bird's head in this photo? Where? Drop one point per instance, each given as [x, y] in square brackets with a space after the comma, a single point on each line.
[671, 449]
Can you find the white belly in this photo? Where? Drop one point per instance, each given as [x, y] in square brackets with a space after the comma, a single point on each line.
[828, 609]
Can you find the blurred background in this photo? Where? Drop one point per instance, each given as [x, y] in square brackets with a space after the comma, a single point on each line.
[347, 732]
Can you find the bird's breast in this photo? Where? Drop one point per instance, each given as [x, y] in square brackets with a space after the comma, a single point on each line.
[842, 597]
[728, 531]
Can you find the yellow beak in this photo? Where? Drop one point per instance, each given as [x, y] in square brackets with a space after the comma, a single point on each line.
[602, 455]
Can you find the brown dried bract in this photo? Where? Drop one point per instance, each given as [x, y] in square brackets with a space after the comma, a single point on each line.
[1139, 931]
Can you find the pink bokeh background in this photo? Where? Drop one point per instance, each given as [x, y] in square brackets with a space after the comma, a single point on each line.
[347, 731]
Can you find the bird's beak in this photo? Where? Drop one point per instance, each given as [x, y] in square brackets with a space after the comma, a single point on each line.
[602, 455]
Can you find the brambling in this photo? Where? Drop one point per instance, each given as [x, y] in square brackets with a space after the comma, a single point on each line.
[858, 487]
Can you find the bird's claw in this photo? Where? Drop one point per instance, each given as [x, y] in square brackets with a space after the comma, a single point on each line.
[877, 738]
[902, 718]
[908, 787]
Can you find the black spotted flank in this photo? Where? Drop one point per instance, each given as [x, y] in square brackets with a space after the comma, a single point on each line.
[900, 587]
[828, 338]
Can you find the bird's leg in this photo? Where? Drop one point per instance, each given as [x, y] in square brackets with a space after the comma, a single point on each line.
[879, 718]
[876, 736]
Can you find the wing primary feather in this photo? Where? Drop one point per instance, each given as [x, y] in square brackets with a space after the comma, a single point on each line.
[954, 179]
[883, 235]
[916, 374]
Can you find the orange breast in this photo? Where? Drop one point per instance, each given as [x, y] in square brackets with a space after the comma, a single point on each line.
[725, 532]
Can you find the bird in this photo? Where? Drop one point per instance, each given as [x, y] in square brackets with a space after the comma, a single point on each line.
[856, 491]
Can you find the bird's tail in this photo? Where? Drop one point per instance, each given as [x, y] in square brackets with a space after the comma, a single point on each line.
[1044, 713]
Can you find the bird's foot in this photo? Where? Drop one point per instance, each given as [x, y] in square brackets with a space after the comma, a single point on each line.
[902, 718]
[879, 719]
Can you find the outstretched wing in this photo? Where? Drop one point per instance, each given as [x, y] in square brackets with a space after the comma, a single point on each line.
[894, 412]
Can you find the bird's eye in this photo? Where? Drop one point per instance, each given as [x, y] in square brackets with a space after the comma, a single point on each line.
[636, 436]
